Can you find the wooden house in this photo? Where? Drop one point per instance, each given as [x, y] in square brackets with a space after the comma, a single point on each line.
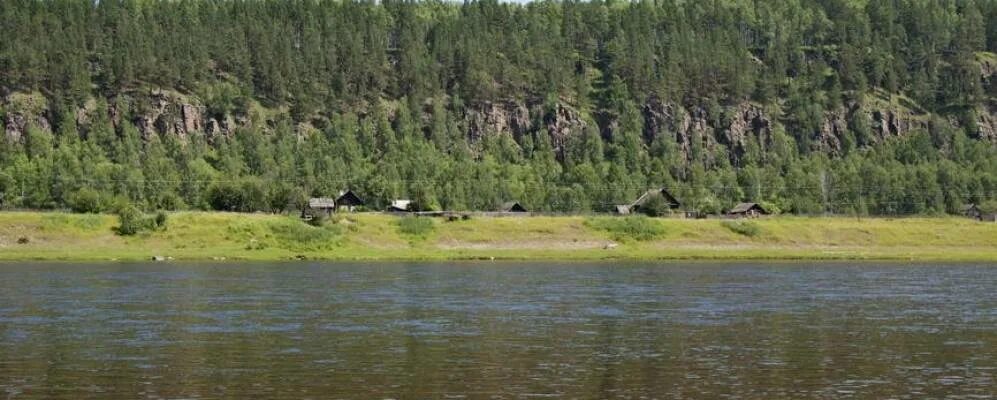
[348, 201]
[634, 207]
[972, 211]
[512, 206]
[747, 210]
[400, 205]
[322, 204]
[672, 202]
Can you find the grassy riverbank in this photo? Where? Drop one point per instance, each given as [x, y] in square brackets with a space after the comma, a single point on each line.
[207, 236]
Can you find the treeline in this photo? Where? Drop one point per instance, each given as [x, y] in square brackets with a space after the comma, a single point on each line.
[387, 87]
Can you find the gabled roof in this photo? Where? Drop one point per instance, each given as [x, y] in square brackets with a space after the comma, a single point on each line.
[512, 206]
[348, 198]
[970, 207]
[321, 202]
[671, 200]
[400, 204]
[745, 207]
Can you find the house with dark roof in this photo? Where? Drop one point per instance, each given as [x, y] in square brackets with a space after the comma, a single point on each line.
[747, 210]
[634, 207]
[349, 201]
[972, 211]
[512, 206]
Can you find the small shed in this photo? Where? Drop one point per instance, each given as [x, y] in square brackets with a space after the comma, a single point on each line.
[512, 206]
[324, 204]
[622, 209]
[991, 217]
[972, 211]
[673, 203]
[348, 200]
[747, 210]
[400, 205]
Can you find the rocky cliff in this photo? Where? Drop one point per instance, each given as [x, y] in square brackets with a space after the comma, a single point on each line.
[163, 112]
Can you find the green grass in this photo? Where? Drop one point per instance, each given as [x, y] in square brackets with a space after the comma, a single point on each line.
[415, 226]
[374, 236]
[741, 227]
[624, 229]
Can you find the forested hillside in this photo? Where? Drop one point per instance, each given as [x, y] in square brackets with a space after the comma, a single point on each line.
[812, 106]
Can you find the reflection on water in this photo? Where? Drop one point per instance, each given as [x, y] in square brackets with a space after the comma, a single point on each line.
[498, 331]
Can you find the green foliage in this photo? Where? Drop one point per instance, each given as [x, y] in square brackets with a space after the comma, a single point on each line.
[988, 207]
[318, 219]
[87, 200]
[416, 226]
[655, 206]
[742, 227]
[317, 96]
[130, 221]
[160, 220]
[639, 228]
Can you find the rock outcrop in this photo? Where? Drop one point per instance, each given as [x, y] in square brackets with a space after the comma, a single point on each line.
[23, 110]
[506, 117]
[170, 113]
[561, 123]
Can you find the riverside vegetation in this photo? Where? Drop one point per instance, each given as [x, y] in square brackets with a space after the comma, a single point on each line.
[374, 236]
[841, 106]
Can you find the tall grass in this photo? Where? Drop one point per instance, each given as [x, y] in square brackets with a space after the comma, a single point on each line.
[639, 228]
[744, 228]
[415, 226]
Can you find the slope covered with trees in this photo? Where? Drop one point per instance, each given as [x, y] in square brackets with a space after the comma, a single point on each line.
[844, 106]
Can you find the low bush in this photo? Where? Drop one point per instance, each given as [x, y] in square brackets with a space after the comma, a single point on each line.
[639, 228]
[745, 228]
[130, 221]
[415, 226]
[160, 220]
[87, 200]
[655, 206]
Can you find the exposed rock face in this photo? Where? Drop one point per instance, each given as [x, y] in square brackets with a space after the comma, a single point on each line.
[832, 129]
[170, 114]
[22, 111]
[987, 124]
[889, 122]
[561, 123]
[505, 117]
[746, 120]
[517, 119]
[16, 124]
[749, 121]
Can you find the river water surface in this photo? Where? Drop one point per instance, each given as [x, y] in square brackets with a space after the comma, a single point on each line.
[498, 331]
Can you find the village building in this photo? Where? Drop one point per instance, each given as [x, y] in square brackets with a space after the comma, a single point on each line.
[972, 211]
[671, 201]
[512, 206]
[348, 201]
[400, 205]
[322, 204]
[747, 210]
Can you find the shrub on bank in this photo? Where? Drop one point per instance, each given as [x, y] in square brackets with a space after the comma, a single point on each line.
[131, 220]
[87, 201]
[744, 228]
[415, 226]
[639, 228]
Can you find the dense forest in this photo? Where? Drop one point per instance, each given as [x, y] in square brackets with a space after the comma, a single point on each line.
[854, 107]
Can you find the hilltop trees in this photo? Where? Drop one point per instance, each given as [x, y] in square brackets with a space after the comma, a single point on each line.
[378, 97]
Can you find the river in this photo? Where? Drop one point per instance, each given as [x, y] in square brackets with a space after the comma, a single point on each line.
[498, 331]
